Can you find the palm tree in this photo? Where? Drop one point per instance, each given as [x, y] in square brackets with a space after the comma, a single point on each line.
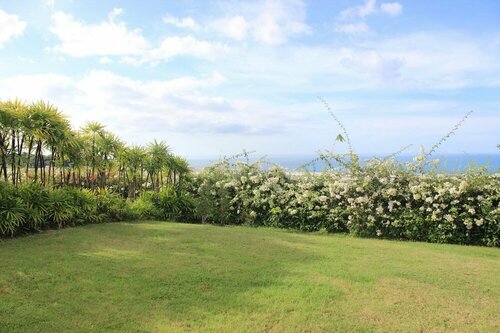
[16, 108]
[73, 156]
[179, 167]
[108, 146]
[91, 131]
[134, 163]
[8, 124]
[158, 157]
[45, 123]
[59, 133]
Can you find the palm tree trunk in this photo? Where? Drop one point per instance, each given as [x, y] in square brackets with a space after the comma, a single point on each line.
[3, 150]
[13, 157]
[52, 166]
[30, 148]
[19, 157]
[37, 158]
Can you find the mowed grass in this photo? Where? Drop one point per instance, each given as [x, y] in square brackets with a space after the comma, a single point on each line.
[169, 277]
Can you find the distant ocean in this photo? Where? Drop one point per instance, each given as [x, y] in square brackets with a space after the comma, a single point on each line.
[449, 163]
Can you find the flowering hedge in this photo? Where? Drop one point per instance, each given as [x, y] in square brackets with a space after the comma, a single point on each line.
[382, 199]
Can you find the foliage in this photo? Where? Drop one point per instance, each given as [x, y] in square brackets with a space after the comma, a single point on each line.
[382, 199]
[32, 207]
[168, 204]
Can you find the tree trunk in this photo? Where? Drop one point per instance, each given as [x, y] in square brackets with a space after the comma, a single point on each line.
[13, 157]
[37, 159]
[30, 148]
[3, 150]
[19, 157]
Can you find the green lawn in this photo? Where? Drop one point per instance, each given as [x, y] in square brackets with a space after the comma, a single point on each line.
[168, 277]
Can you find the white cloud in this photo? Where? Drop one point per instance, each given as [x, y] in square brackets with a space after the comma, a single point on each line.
[359, 11]
[359, 14]
[37, 86]
[50, 3]
[235, 27]
[105, 60]
[188, 45]
[79, 39]
[392, 9]
[173, 105]
[352, 28]
[10, 26]
[432, 60]
[278, 21]
[186, 22]
[180, 46]
[115, 12]
[112, 38]
[266, 21]
[386, 68]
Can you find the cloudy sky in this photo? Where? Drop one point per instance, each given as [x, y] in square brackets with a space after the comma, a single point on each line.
[216, 77]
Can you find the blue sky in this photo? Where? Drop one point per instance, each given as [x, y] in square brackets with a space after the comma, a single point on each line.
[217, 77]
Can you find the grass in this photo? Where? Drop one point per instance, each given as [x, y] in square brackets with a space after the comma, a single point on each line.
[168, 277]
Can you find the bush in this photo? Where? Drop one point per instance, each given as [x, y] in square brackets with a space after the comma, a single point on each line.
[144, 206]
[32, 207]
[112, 207]
[12, 210]
[167, 204]
[382, 199]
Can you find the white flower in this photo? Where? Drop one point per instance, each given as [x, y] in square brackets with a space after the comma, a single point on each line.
[392, 191]
[463, 186]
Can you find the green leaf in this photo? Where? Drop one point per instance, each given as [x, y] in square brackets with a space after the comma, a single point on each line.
[340, 138]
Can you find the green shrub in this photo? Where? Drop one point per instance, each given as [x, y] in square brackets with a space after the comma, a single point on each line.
[35, 200]
[12, 210]
[112, 207]
[144, 207]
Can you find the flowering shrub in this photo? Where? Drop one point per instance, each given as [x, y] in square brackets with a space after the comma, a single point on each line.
[382, 199]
